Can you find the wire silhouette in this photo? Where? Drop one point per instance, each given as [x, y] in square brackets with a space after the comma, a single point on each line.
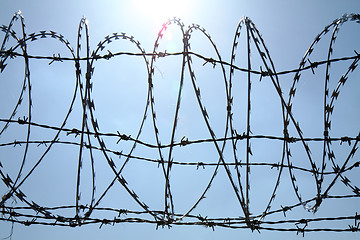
[16, 207]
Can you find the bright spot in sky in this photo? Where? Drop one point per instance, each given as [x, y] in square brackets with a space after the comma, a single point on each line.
[159, 11]
[168, 36]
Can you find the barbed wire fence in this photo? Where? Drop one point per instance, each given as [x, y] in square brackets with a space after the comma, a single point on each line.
[17, 207]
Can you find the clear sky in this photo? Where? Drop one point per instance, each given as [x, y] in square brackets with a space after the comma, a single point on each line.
[120, 94]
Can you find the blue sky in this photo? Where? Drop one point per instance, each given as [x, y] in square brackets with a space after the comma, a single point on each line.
[120, 91]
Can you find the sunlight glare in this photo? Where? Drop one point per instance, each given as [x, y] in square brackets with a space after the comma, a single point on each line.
[159, 11]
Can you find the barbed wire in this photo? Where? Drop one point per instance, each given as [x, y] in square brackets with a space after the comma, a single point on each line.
[88, 138]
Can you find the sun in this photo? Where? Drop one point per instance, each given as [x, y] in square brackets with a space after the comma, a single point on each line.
[159, 11]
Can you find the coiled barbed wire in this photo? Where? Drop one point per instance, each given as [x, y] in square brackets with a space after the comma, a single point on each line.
[227, 147]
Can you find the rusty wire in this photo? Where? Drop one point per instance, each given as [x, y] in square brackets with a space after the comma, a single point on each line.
[89, 138]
